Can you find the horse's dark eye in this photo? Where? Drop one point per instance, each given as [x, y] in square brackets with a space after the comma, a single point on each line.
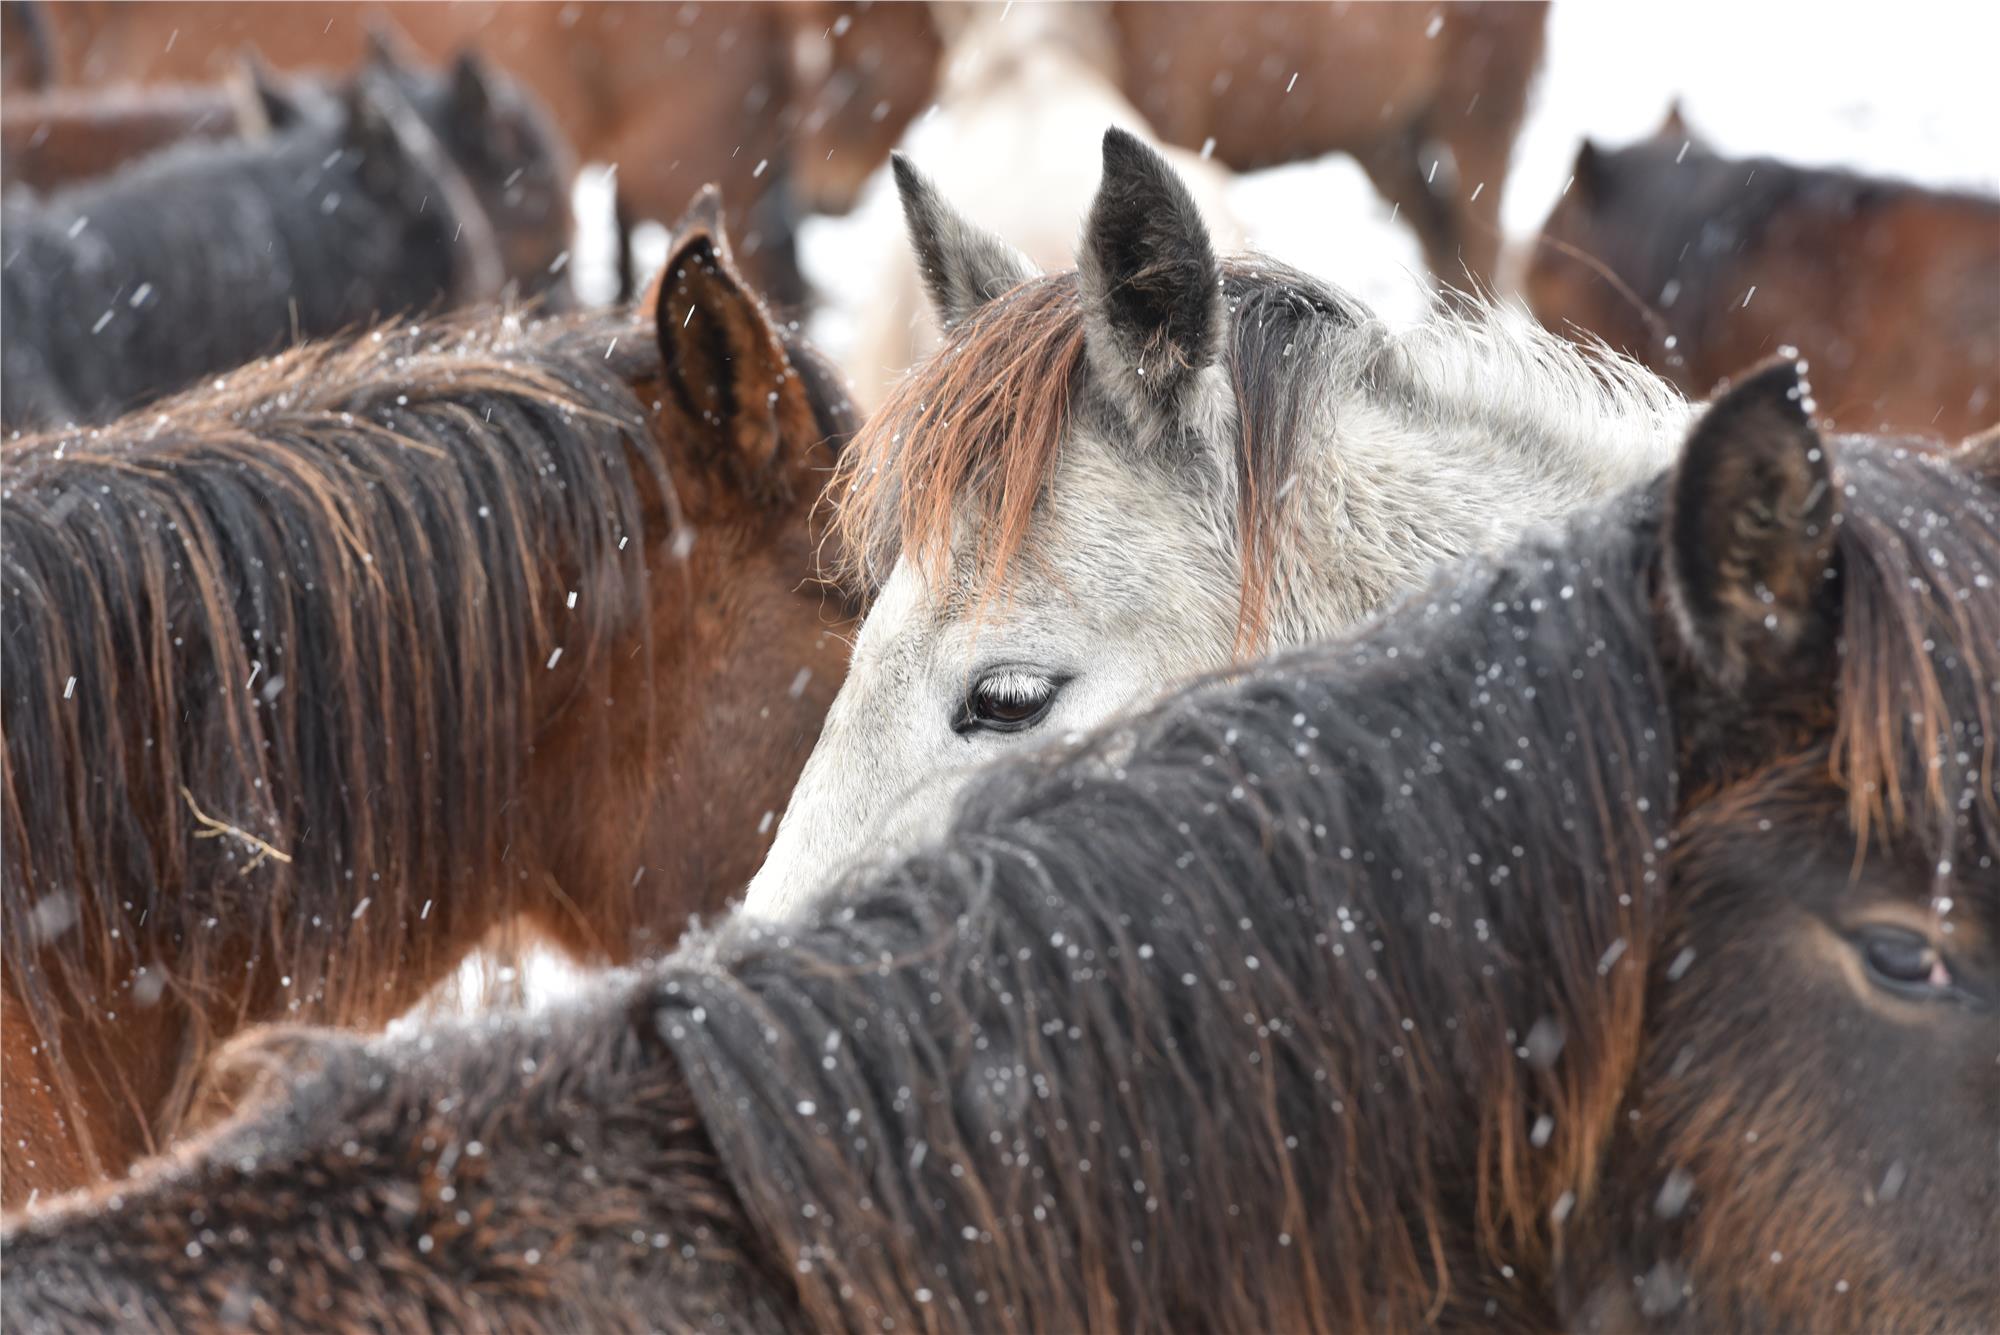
[1904, 962]
[1007, 700]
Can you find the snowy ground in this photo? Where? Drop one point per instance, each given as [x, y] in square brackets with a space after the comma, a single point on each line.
[1904, 90]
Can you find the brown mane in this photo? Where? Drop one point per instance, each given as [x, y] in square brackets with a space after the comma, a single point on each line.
[200, 600]
[1902, 722]
[981, 425]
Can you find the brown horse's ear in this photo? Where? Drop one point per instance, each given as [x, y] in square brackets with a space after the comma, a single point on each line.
[704, 215]
[1675, 124]
[1750, 532]
[726, 366]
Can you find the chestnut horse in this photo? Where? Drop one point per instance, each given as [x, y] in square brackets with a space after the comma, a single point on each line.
[1428, 98]
[1605, 940]
[315, 676]
[74, 134]
[674, 95]
[1698, 264]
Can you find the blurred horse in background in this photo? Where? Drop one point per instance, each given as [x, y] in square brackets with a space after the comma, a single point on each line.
[1018, 84]
[1428, 98]
[673, 95]
[75, 134]
[1699, 264]
[1591, 944]
[204, 257]
[410, 189]
[317, 675]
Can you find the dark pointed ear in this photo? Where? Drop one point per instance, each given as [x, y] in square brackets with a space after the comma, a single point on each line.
[1152, 290]
[386, 48]
[1587, 172]
[370, 104]
[1750, 532]
[726, 368]
[471, 90]
[703, 214]
[263, 107]
[1675, 124]
[964, 266]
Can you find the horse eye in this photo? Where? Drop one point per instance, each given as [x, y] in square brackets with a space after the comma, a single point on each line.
[1904, 962]
[1007, 700]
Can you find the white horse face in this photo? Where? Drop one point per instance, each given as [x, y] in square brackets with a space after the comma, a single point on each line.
[1115, 606]
[1126, 578]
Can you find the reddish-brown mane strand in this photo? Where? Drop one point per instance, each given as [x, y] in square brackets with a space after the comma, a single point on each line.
[1897, 714]
[981, 426]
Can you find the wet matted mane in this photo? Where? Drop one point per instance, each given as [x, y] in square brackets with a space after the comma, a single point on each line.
[273, 651]
[981, 423]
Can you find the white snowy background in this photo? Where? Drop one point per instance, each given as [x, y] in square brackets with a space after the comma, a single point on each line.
[1904, 90]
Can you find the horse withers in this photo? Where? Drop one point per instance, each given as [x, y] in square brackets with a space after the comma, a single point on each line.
[1110, 480]
[1605, 939]
[316, 676]
[1698, 264]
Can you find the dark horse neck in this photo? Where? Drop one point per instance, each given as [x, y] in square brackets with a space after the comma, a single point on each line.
[1323, 909]
[202, 260]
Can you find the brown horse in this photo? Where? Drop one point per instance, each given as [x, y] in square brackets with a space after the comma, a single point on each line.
[673, 95]
[1428, 98]
[68, 134]
[1698, 264]
[1606, 940]
[315, 676]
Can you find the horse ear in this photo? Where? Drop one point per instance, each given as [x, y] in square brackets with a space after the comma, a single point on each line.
[964, 266]
[263, 107]
[385, 48]
[1675, 123]
[1586, 173]
[704, 214]
[471, 90]
[1751, 516]
[1152, 290]
[726, 366]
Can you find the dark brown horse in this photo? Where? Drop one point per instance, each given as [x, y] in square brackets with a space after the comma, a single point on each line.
[315, 676]
[69, 134]
[674, 95]
[1608, 939]
[1698, 264]
[1428, 98]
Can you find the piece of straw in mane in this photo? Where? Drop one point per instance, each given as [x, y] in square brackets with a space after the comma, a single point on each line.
[275, 653]
[981, 425]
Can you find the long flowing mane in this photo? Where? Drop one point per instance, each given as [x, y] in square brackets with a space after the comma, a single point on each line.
[274, 651]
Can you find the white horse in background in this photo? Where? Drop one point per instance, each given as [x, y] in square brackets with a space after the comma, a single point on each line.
[1113, 479]
[1022, 91]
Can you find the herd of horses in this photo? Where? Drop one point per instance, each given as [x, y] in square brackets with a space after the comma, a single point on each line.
[1253, 817]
